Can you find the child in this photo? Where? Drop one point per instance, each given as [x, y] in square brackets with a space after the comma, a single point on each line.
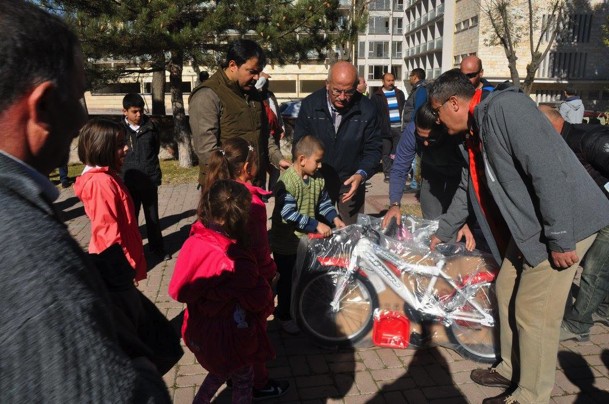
[300, 196]
[238, 160]
[142, 170]
[227, 300]
[102, 148]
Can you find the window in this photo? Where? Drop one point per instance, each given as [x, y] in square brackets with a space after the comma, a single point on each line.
[118, 88]
[378, 25]
[309, 86]
[397, 26]
[398, 5]
[568, 64]
[575, 30]
[186, 87]
[397, 71]
[396, 49]
[378, 50]
[282, 86]
[379, 5]
[376, 72]
[362, 49]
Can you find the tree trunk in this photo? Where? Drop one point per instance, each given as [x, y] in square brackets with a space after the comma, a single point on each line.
[158, 86]
[181, 129]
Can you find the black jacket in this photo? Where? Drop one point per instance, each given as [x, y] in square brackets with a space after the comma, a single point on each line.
[142, 159]
[356, 145]
[379, 99]
[590, 143]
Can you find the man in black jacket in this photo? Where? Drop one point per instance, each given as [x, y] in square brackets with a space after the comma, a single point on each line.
[142, 170]
[347, 124]
[590, 143]
[58, 339]
[389, 101]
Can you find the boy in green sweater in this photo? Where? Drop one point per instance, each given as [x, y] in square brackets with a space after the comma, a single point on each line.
[300, 197]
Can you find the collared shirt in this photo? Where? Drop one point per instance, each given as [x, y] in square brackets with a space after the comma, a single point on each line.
[337, 116]
[48, 189]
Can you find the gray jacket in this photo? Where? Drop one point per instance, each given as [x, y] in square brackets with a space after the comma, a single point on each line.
[572, 110]
[547, 199]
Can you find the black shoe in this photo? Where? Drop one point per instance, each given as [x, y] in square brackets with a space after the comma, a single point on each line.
[490, 378]
[162, 255]
[386, 180]
[66, 184]
[273, 389]
[504, 398]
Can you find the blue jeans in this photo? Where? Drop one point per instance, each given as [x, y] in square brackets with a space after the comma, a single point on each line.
[63, 174]
[593, 288]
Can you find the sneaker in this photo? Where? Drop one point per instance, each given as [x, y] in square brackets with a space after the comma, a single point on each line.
[566, 334]
[273, 389]
[289, 327]
[597, 318]
[386, 179]
[66, 184]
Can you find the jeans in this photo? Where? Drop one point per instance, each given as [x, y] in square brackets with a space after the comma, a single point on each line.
[593, 288]
[63, 174]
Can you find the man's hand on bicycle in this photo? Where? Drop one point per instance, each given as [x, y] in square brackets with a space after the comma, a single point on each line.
[434, 241]
[339, 223]
[393, 212]
[465, 232]
[324, 229]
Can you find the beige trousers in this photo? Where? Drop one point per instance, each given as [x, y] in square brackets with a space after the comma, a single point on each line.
[531, 302]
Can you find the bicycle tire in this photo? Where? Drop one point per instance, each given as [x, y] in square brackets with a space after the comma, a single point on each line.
[347, 326]
[473, 340]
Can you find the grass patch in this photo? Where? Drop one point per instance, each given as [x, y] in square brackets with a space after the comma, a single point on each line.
[172, 173]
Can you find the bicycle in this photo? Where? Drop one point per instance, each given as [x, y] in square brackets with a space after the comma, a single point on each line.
[336, 300]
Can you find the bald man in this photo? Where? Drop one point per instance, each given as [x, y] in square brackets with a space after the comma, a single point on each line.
[471, 66]
[347, 124]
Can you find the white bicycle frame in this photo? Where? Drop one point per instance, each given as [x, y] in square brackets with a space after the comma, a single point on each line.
[369, 257]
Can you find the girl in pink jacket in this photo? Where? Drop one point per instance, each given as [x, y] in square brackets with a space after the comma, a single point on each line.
[237, 159]
[227, 299]
[102, 148]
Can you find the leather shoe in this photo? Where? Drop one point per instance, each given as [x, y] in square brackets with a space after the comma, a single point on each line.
[505, 398]
[490, 378]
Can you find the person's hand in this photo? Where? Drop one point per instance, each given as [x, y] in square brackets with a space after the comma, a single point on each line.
[324, 229]
[393, 212]
[354, 181]
[339, 223]
[283, 163]
[564, 259]
[434, 242]
[466, 233]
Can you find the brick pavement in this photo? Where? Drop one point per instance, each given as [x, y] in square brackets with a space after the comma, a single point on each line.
[358, 375]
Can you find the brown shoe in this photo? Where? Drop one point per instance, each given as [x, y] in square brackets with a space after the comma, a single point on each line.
[504, 398]
[490, 378]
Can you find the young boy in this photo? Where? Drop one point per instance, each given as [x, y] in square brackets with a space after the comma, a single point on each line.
[141, 171]
[300, 196]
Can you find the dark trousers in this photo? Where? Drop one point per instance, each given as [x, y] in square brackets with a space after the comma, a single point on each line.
[145, 195]
[285, 267]
[390, 145]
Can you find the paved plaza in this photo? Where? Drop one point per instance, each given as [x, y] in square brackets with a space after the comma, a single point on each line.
[358, 375]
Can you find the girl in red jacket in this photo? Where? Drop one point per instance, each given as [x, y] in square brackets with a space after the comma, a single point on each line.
[102, 148]
[227, 299]
[237, 159]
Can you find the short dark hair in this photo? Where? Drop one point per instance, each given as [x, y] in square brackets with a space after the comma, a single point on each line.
[425, 118]
[98, 142]
[204, 75]
[243, 50]
[35, 46]
[570, 91]
[451, 82]
[133, 100]
[420, 73]
[306, 146]
[228, 200]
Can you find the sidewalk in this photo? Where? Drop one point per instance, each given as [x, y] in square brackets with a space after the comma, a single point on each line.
[358, 375]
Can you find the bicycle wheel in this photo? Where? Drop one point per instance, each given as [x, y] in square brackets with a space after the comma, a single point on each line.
[353, 319]
[474, 340]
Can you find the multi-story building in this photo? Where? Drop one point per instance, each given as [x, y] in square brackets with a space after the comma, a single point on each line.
[436, 35]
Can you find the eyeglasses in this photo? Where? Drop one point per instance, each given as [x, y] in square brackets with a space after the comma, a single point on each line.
[436, 111]
[473, 74]
[347, 93]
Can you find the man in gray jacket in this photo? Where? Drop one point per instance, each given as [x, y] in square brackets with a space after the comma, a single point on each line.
[541, 210]
[58, 340]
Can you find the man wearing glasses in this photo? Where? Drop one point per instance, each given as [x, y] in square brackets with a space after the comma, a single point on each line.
[347, 124]
[471, 66]
[539, 211]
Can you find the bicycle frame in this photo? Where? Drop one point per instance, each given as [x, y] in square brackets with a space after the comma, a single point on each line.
[372, 259]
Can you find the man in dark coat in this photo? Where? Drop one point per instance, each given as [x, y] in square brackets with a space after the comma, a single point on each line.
[57, 336]
[347, 124]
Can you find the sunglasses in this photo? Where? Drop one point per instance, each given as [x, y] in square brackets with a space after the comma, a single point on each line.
[473, 74]
[431, 140]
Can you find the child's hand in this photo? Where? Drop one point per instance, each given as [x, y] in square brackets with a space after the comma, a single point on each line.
[339, 223]
[324, 229]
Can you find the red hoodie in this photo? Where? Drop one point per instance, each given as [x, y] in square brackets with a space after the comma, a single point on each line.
[109, 207]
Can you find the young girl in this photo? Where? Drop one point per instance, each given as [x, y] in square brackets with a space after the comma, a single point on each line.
[102, 148]
[227, 300]
[238, 160]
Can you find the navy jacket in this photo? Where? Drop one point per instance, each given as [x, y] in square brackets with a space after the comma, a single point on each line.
[142, 159]
[357, 144]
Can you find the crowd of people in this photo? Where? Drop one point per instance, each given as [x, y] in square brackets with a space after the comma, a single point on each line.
[529, 185]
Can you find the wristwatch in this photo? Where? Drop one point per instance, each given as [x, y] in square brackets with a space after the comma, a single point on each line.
[398, 204]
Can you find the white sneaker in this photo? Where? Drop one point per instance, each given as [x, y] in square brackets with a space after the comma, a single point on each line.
[289, 327]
